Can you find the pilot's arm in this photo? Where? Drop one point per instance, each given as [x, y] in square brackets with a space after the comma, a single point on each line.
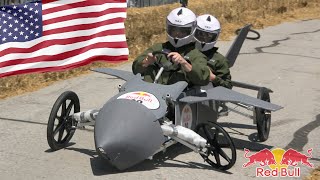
[199, 73]
[145, 59]
[220, 72]
[195, 68]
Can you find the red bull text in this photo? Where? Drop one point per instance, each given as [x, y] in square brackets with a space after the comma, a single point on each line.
[281, 163]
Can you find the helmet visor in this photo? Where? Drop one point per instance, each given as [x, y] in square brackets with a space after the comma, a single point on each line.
[178, 32]
[206, 37]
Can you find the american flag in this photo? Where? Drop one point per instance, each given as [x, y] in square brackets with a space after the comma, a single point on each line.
[57, 35]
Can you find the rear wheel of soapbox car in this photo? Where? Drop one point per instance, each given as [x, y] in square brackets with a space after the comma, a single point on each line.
[221, 151]
[219, 141]
[262, 116]
[60, 122]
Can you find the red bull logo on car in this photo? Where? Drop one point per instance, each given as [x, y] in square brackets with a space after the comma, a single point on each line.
[145, 98]
[281, 163]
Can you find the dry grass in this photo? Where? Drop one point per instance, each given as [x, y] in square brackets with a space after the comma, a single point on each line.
[314, 174]
[145, 26]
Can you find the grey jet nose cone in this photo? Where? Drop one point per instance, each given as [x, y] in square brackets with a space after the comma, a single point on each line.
[126, 133]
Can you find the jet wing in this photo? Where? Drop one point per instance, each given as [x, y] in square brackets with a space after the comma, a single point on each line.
[125, 75]
[227, 95]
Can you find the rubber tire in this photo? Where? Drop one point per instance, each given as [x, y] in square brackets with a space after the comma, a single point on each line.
[68, 95]
[263, 120]
[230, 142]
[253, 31]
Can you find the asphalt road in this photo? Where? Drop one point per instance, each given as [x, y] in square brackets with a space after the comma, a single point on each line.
[286, 59]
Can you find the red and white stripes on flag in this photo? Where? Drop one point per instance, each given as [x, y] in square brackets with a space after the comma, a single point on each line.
[74, 33]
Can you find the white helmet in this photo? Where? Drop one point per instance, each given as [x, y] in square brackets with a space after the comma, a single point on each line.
[180, 26]
[207, 32]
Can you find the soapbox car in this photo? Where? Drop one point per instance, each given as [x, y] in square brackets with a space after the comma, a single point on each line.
[146, 118]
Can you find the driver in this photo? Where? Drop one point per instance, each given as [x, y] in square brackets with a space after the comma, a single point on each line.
[191, 62]
[206, 35]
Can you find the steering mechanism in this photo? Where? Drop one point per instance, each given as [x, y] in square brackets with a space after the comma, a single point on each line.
[167, 65]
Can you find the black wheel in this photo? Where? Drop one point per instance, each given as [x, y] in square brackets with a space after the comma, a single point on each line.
[252, 31]
[219, 144]
[262, 116]
[61, 126]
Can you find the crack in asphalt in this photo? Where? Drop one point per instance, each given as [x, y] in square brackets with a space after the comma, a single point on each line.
[306, 32]
[302, 72]
[38, 123]
[277, 42]
[22, 121]
[274, 44]
[311, 57]
[301, 135]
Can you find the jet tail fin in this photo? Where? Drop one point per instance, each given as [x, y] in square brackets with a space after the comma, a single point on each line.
[234, 50]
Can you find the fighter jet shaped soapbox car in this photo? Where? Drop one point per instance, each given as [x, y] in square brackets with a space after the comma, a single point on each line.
[146, 118]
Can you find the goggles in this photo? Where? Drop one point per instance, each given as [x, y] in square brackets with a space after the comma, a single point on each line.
[178, 32]
[206, 37]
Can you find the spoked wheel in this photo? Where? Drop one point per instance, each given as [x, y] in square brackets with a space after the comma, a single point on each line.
[221, 152]
[61, 126]
[262, 116]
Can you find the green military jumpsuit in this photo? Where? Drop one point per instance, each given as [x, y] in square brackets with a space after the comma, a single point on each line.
[199, 75]
[218, 64]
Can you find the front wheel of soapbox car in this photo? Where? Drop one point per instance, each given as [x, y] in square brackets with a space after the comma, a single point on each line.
[61, 125]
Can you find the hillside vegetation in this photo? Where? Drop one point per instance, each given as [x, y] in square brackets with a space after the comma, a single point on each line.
[144, 26]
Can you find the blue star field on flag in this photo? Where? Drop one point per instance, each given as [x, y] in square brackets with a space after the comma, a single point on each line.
[20, 23]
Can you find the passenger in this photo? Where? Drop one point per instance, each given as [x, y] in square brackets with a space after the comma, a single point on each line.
[180, 24]
[206, 35]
